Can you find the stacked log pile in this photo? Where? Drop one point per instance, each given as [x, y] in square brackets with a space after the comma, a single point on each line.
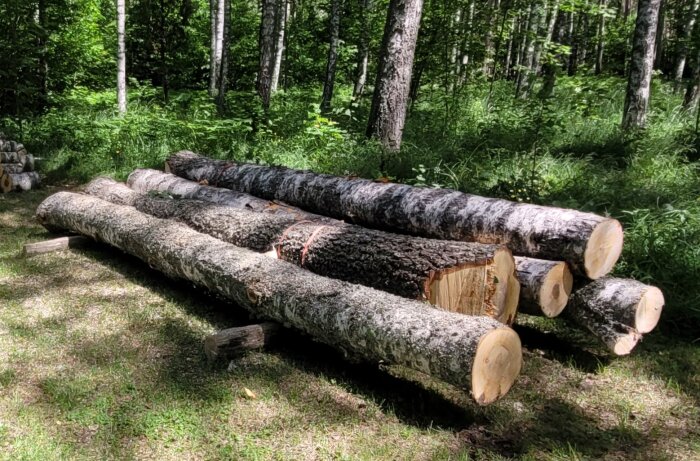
[320, 254]
[17, 172]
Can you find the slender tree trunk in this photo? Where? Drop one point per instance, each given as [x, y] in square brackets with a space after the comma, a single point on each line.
[43, 63]
[543, 46]
[223, 69]
[692, 92]
[526, 75]
[600, 45]
[685, 38]
[465, 48]
[214, 47]
[641, 65]
[267, 46]
[163, 52]
[219, 18]
[491, 15]
[390, 100]
[329, 84]
[574, 42]
[522, 46]
[509, 49]
[362, 50]
[281, 27]
[660, 36]
[121, 56]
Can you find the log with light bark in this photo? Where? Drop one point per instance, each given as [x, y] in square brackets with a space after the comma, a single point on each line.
[591, 244]
[11, 168]
[545, 286]
[232, 341]
[25, 181]
[469, 278]
[358, 320]
[616, 311]
[57, 244]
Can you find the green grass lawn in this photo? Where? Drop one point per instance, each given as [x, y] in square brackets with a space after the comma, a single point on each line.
[101, 358]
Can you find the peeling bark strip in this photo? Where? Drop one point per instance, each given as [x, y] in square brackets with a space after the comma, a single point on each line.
[591, 244]
[545, 286]
[617, 311]
[232, 341]
[469, 278]
[352, 318]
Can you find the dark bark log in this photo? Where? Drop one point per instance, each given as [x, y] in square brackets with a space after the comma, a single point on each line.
[393, 84]
[468, 278]
[25, 181]
[232, 341]
[545, 286]
[57, 244]
[641, 65]
[352, 318]
[616, 311]
[591, 244]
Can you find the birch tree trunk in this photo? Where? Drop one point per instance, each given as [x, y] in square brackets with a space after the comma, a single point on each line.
[121, 56]
[692, 92]
[213, 47]
[543, 46]
[362, 50]
[641, 65]
[600, 42]
[355, 319]
[223, 68]
[526, 73]
[590, 243]
[329, 83]
[390, 101]
[685, 38]
[267, 46]
[218, 28]
[281, 16]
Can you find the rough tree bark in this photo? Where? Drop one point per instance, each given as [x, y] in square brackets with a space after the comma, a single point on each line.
[329, 83]
[362, 50]
[24, 181]
[600, 40]
[281, 17]
[525, 76]
[223, 68]
[616, 311]
[358, 320]
[391, 90]
[591, 244]
[641, 65]
[543, 45]
[267, 46]
[692, 92]
[469, 278]
[545, 286]
[121, 56]
[213, 47]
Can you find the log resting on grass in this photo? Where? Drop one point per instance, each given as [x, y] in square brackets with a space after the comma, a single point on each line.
[591, 244]
[57, 244]
[25, 181]
[617, 311]
[358, 320]
[545, 286]
[469, 278]
[231, 341]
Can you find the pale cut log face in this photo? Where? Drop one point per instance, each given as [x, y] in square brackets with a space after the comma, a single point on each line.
[649, 310]
[555, 290]
[496, 365]
[603, 248]
[625, 343]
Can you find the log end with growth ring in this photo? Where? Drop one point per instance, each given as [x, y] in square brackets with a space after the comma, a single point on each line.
[455, 289]
[649, 310]
[5, 183]
[625, 343]
[555, 290]
[496, 366]
[603, 248]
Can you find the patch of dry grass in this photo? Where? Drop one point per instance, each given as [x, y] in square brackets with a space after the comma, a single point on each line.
[101, 358]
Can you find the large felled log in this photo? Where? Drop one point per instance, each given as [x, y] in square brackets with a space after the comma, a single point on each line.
[353, 318]
[545, 286]
[617, 311]
[25, 181]
[468, 278]
[591, 244]
[231, 341]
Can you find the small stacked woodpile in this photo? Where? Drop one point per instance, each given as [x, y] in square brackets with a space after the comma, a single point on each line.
[17, 171]
[319, 253]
